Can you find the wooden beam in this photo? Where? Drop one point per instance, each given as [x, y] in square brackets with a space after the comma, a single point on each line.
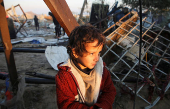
[8, 48]
[62, 13]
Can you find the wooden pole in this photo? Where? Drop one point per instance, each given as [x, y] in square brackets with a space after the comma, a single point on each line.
[82, 10]
[62, 13]
[8, 49]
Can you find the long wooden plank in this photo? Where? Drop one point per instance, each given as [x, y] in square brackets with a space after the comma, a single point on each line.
[63, 14]
[8, 48]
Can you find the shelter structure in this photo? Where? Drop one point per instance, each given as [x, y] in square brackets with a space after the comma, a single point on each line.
[15, 17]
[122, 58]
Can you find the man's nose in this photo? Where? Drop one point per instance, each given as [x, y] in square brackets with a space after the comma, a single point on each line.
[96, 58]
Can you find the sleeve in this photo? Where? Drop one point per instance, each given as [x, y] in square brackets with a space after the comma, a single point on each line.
[66, 91]
[107, 90]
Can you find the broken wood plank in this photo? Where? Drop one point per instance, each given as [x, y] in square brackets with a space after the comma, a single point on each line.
[63, 14]
[8, 49]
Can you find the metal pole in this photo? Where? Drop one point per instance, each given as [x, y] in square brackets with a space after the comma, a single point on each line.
[139, 51]
[39, 81]
[82, 10]
[28, 50]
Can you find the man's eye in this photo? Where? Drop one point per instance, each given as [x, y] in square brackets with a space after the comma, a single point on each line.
[91, 53]
[100, 53]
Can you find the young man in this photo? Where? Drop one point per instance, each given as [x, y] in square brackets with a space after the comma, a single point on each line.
[36, 23]
[83, 82]
[57, 25]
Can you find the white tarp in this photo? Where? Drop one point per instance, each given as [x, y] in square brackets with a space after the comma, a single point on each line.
[32, 33]
[52, 25]
[40, 39]
[56, 55]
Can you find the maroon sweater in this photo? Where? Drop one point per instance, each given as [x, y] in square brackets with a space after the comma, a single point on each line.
[66, 89]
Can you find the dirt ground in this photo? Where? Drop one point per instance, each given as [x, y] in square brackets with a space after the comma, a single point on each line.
[43, 96]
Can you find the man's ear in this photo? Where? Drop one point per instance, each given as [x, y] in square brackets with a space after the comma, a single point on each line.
[74, 53]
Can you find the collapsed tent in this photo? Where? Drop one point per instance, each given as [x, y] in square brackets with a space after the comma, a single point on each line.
[122, 58]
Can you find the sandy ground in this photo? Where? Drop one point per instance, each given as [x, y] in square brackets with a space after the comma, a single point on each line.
[43, 96]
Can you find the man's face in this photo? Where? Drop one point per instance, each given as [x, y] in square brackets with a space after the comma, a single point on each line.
[91, 57]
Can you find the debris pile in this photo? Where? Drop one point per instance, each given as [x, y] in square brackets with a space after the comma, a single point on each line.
[122, 57]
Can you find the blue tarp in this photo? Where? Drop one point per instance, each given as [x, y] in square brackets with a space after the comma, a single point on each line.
[35, 42]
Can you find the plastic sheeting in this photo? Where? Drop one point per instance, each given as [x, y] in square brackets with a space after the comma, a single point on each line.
[56, 55]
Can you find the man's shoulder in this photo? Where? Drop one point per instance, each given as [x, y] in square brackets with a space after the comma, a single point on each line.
[63, 70]
[105, 69]
[63, 74]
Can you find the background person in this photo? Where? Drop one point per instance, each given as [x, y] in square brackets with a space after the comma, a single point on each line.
[36, 23]
[57, 25]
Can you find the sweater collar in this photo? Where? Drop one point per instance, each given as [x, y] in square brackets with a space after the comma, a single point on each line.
[99, 72]
[86, 70]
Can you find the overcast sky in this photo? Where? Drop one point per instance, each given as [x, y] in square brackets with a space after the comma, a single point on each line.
[39, 6]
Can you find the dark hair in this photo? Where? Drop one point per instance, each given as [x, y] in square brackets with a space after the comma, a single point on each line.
[82, 35]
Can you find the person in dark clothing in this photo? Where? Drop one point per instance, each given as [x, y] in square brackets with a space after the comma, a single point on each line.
[60, 30]
[63, 31]
[36, 23]
[57, 25]
[0, 39]
[11, 28]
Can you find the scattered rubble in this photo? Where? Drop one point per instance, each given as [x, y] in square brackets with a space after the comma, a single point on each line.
[121, 54]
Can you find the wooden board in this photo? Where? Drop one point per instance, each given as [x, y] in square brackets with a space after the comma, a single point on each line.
[62, 13]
